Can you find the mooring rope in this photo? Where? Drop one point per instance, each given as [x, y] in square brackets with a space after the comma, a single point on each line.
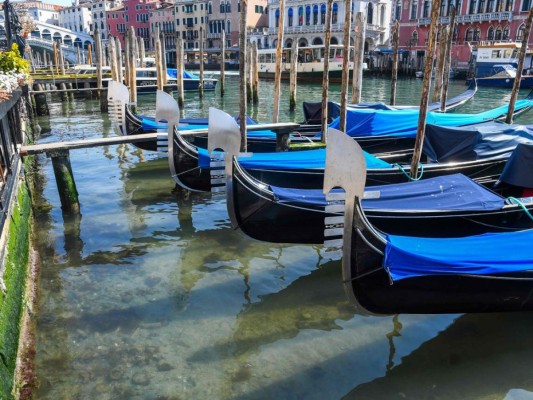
[421, 167]
[514, 200]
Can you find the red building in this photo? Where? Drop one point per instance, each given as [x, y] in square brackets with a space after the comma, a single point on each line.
[477, 21]
[134, 13]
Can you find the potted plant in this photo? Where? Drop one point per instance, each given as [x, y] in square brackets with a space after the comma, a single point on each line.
[14, 71]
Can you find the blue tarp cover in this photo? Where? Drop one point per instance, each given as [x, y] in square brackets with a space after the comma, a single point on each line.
[173, 73]
[518, 168]
[491, 139]
[446, 193]
[403, 123]
[290, 160]
[487, 254]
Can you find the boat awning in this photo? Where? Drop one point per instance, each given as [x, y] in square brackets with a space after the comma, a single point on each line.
[487, 254]
[518, 168]
[443, 193]
[290, 160]
[389, 51]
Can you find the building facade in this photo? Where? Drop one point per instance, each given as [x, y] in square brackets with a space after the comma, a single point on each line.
[98, 11]
[305, 22]
[190, 16]
[42, 12]
[477, 22]
[77, 18]
[134, 13]
[164, 18]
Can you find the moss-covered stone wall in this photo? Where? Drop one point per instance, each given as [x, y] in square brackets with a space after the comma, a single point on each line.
[12, 294]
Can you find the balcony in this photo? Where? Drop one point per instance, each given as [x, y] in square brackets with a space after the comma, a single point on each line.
[214, 35]
[462, 19]
[308, 29]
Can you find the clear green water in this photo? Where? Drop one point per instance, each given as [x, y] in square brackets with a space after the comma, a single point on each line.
[151, 295]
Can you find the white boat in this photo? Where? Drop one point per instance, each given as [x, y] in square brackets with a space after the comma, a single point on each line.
[310, 65]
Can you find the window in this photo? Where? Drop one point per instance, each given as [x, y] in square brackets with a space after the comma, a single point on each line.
[315, 14]
[414, 38]
[425, 10]
[505, 34]
[323, 14]
[498, 35]
[210, 8]
[222, 7]
[290, 12]
[228, 30]
[228, 7]
[477, 35]
[526, 5]
[397, 10]
[370, 14]
[469, 35]
[520, 34]
[414, 8]
[308, 15]
[499, 6]
[490, 33]
[300, 16]
[335, 13]
[276, 15]
[490, 6]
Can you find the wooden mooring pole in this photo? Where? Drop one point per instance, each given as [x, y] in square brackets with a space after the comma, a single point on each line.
[163, 59]
[426, 83]
[158, 61]
[255, 77]
[179, 70]
[41, 103]
[293, 76]
[133, 65]
[521, 56]
[359, 49]
[142, 52]
[66, 186]
[201, 86]
[249, 94]
[279, 52]
[325, 76]
[448, 60]
[441, 60]
[345, 62]
[395, 45]
[222, 62]
[120, 63]
[242, 70]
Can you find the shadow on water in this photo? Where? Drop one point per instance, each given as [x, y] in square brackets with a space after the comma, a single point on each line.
[479, 356]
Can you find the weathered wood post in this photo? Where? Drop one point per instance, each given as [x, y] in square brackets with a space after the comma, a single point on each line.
[61, 58]
[448, 60]
[293, 76]
[359, 52]
[66, 186]
[99, 76]
[521, 56]
[222, 62]
[120, 63]
[345, 62]
[41, 104]
[79, 55]
[113, 58]
[249, 94]
[325, 79]
[426, 83]
[133, 65]
[89, 54]
[242, 69]
[70, 93]
[255, 84]
[201, 86]
[441, 56]
[56, 60]
[142, 52]
[163, 58]
[395, 43]
[63, 92]
[179, 72]
[279, 55]
[158, 61]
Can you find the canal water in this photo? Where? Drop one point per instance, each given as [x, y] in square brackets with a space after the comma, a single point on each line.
[150, 294]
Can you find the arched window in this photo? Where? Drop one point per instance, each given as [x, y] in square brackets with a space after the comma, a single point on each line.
[477, 35]
[290, 15]
[101, 15]
[315, 14]
[455, 34]
[397, 10]
[308, 15]
[469, 35]
[509, 5]
[505, 34]
[228, 7]
[210, 8]
[323, 14]
[228, 28]
[335, 13]
[370, 14]
[222, 8]
[520, 33]
[276, 14]
[481, 6]
[239, 6]
[498, 35]
[490, 33]
[300, 16]
[414, 38]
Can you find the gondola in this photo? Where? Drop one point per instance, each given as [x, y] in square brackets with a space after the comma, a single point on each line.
[265, 141]
[192, 167]
[390, 274]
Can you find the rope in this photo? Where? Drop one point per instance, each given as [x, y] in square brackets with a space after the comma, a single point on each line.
[420, 166]
[514, 200]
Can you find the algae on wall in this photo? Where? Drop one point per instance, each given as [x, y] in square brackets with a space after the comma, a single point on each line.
[12, 295]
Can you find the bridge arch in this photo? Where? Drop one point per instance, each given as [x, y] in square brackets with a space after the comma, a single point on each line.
[86, 44]
[67, 40]
[36, 33]
[47, 35]
[57, 36]
[78, 42]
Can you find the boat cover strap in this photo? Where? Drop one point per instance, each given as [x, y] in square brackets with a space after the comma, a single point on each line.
[487, 254]
[289, 160]
[443, 193]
